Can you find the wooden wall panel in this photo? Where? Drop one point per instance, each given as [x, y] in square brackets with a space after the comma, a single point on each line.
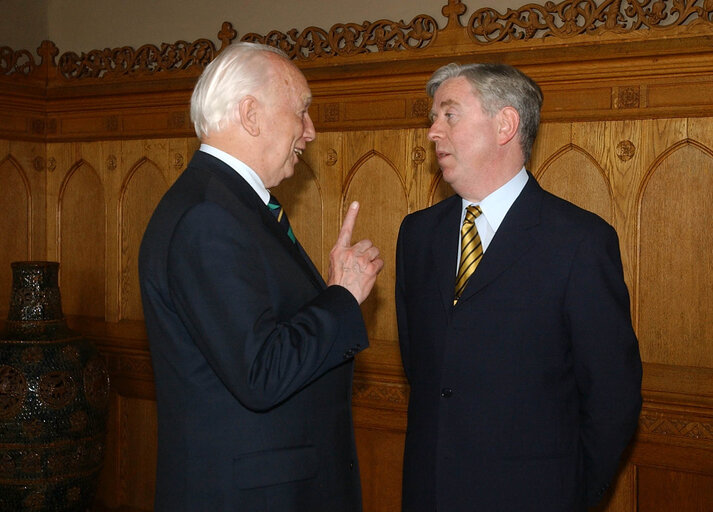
[82, 236]
[139, 195]
[658, 181]
[575, 176]
[627, 133]
[22, 209]
[677, 490]
[392, 172]
[16, 218]
[100, 195]
[138, 427]
[375, 167]
[380, 461]
[676, 305]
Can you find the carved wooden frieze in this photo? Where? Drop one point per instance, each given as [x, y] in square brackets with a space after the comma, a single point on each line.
[19, 62]
[578, 17]
[148, 59]
[552, 21]
[347, 39]
[125, 61]
[671, 39]
[659, 423]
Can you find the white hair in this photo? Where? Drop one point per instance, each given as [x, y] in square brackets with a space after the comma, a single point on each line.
[238, 70]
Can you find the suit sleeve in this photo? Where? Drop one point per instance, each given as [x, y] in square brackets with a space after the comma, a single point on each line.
[232, 299]
[606, 355]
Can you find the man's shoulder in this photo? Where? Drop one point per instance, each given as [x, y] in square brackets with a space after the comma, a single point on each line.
[435, 212]
[564, 214]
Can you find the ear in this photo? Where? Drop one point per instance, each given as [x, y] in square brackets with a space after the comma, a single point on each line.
[508, 123]
[248, 110]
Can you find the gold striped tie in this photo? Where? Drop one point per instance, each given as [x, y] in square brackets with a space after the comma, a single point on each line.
[471, 250]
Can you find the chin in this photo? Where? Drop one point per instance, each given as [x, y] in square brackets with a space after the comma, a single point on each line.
[448, 175]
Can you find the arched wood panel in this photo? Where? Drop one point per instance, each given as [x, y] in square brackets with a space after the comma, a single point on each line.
[676, 304]
[575, 176]
[376, 183]
[81, 216]
[15, 218]
[22, 209]
[375, 171]
[138, 197]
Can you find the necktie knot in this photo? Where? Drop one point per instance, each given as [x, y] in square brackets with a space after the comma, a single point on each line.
[472, 212]
[279, 213]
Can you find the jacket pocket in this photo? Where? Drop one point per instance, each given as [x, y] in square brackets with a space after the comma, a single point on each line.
[273, 467]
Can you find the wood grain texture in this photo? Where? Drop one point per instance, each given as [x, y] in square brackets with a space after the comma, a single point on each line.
[627, 133]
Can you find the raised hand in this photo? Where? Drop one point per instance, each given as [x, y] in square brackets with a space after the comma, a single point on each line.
[353, 266]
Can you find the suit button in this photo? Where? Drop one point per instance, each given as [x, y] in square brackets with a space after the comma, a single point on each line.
[348, 354]
[351, 464]
[446, 392]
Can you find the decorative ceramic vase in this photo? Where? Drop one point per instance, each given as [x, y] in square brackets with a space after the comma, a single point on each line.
[54, 390]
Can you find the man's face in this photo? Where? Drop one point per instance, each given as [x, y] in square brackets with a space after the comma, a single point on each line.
[288, 124]
[464, 135]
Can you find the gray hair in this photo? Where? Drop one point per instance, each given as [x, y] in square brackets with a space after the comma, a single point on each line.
[236, 72]
[499, 86]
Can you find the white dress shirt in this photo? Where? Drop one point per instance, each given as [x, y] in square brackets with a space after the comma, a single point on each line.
[242, 169]
[494, 207]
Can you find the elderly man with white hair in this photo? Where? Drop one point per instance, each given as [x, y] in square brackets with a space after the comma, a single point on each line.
[252, 351]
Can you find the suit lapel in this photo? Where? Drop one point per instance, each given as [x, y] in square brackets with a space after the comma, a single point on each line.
[445, 250]
[295, 249]
[237, 186]
[511, 241]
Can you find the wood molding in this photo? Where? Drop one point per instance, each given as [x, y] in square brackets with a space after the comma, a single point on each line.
[678, 401]
[610, 61]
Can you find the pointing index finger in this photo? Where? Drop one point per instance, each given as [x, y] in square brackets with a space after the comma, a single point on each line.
[345, 234]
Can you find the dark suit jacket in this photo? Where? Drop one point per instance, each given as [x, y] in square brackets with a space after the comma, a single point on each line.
[523, 395]
[252, 354]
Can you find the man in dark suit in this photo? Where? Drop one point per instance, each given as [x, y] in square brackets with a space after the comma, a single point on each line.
[252, 351]
[524, 368]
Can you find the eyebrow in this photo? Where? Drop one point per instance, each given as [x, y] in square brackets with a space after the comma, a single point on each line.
[448, 103]
[443, 104]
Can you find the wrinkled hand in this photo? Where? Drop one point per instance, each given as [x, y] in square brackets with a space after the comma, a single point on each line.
[353, 266]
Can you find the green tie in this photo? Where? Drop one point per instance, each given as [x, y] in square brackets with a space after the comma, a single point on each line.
[281, 216]
[471, 250]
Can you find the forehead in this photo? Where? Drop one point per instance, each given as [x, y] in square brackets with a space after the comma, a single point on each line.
[289, 81]
[454, 90]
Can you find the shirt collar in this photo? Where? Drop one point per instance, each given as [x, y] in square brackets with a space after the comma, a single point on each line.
[241, 168]
[496, 205]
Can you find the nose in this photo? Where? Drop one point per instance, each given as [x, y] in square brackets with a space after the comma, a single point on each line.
[308, 132]
[434, 132]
